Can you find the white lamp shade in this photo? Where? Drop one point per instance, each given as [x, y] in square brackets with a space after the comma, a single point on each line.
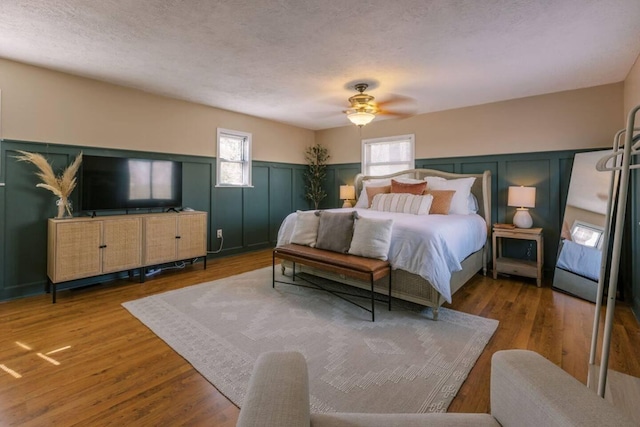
[360, 118]
[522, 197]
[347, 192]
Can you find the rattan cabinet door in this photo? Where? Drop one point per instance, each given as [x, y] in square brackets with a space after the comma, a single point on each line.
[160, 235]
[122, 240]
[192, 229]
[74, 249]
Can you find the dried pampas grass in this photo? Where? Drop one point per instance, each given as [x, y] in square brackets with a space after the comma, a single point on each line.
[62, 185]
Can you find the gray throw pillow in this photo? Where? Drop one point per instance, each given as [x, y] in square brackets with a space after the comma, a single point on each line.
[335, 231]
[371, 238]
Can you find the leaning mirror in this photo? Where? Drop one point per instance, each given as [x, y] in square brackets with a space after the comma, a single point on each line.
[580, 250]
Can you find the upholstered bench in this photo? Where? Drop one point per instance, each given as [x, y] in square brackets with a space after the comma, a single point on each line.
[352, 266]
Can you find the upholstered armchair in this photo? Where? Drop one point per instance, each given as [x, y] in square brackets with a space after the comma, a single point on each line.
[526, 390]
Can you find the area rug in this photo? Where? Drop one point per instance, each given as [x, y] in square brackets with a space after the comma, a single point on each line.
[404, 362]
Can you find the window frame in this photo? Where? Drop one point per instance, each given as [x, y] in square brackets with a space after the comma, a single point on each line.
[364, 165]
[246, 162]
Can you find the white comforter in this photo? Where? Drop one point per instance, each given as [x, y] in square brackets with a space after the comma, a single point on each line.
[431, 246]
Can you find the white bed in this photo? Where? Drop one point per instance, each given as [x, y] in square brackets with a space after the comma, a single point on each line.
[432, 255]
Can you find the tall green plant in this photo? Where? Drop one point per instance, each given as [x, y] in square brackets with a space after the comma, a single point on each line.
[316, 157]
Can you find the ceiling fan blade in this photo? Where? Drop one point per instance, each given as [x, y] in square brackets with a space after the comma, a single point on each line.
[397, 100]
[398, 105]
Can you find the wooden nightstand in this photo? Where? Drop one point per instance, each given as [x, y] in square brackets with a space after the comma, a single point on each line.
[518, 267]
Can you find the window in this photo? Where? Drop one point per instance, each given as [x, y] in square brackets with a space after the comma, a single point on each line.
[587, 234]
[233, 158]
[382, 156]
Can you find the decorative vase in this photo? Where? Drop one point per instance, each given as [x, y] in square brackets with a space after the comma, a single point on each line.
[64, 207]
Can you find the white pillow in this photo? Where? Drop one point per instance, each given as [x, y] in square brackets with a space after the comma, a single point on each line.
[402, 203]
[462, 187]
[472, 203]
[371, 238]
[408, 180]
[363, 200]
[305, 232]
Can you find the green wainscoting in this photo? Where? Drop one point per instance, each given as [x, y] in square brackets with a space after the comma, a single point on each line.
[250, 217]
[549, 172]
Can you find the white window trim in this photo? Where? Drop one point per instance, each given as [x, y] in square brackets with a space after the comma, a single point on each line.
[387, 139]
[248, 163]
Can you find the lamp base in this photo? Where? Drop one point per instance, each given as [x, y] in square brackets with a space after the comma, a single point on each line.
[522, 218]
[347, 204]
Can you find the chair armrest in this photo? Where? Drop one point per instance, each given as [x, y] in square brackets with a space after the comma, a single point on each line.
[529, 390]
[278, 392]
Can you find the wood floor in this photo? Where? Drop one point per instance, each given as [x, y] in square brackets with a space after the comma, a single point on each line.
[112, 370]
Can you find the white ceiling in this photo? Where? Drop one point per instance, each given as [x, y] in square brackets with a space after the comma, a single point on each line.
[293, 60]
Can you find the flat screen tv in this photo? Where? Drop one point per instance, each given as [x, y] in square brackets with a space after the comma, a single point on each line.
[110, 183]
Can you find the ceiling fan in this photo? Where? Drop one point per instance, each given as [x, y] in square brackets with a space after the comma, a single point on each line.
[364, 108]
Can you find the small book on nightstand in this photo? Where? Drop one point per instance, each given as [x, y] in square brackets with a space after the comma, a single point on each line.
[499, 225]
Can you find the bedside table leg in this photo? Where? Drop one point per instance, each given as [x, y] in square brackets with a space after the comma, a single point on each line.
[540, 258]
[493, 267]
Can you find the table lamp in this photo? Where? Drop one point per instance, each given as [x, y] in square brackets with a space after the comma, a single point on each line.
[522, 198]
[347, 193]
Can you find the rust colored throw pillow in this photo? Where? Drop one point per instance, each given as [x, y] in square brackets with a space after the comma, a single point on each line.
[401, 187]
[441, 201]
[372, 191]
[335, 231]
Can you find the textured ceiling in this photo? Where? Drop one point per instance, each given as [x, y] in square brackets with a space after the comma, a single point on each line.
[293, 60]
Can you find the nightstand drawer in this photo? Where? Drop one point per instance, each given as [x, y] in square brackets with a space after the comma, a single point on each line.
[517, 267]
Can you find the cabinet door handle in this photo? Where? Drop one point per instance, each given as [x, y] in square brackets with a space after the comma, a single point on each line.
[177, 237]
[102, 246]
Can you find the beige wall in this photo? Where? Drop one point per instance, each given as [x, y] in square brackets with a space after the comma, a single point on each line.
[584, 118]
[47, 106]
[632, 90]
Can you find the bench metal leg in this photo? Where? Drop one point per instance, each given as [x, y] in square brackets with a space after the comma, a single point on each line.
[373, 302]
[390, 288]
[337, 293]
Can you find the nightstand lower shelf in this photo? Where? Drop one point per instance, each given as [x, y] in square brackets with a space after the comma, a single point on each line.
[517, 267]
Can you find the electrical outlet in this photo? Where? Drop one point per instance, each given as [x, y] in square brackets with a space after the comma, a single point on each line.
[219, 233]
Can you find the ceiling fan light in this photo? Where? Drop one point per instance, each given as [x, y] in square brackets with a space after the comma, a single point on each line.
[360, 118]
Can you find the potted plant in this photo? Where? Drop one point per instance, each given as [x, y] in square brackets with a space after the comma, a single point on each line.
[316, 157]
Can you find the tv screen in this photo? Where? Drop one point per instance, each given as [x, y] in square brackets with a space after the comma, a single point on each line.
[108, 183]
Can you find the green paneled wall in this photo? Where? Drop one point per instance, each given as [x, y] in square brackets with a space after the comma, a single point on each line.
[255, 207]
[250, 217]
